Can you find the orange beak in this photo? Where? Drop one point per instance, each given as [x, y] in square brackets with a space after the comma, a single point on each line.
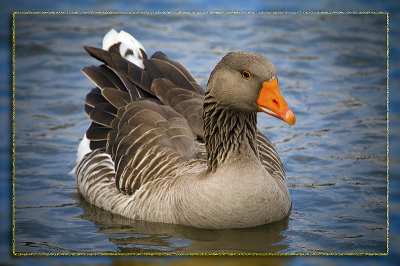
[270, 101]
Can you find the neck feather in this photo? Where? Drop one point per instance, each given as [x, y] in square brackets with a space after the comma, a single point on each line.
[227, 132]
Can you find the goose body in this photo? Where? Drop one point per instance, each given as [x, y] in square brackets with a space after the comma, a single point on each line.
[162, 149]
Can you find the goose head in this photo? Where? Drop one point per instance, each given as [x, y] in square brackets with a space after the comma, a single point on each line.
[247, 82]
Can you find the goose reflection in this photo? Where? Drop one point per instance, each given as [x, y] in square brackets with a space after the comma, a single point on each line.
[132, 236]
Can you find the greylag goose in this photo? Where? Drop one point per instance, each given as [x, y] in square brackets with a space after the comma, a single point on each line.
[161, 149]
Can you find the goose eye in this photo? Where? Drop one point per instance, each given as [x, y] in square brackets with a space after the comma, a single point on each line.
[246, 74]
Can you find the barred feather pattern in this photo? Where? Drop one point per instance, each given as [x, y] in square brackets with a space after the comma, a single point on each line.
[146, 142]
[225, 130]
[95, 175]
[269, 157]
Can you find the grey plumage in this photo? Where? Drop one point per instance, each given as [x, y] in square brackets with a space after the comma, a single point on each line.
[148, 124]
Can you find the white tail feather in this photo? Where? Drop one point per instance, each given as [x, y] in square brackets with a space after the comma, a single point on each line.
[128, 42]
[83, 149]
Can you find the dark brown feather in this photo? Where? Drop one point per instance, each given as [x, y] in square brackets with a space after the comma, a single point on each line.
[162, 56]
[162, 69]
[88, 109]
[103, 114]
[97, 144]
[97, 132]
[94, 97]
[116, 97]
[103, 77]
[129, 73]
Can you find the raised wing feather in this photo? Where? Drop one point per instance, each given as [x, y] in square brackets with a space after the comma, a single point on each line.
[134, 120]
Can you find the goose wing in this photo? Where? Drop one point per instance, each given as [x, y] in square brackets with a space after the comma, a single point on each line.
[269, 157]
[148, 120]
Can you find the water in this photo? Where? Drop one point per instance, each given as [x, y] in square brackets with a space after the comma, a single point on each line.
[332, 73]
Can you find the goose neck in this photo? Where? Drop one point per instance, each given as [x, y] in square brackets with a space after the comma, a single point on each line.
[228, 133]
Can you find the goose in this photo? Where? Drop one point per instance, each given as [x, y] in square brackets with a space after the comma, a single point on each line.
[160, 148]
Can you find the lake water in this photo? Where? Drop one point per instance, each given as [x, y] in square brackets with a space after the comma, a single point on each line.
[332, 73]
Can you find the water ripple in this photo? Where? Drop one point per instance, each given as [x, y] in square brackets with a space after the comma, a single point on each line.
[332, 73]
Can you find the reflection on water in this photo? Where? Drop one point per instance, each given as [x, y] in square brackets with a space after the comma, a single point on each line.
[131, 236]
[332, 72]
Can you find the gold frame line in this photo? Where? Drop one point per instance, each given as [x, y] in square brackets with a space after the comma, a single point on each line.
[196, 13]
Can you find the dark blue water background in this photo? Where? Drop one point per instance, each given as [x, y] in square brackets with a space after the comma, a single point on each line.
[332, 71]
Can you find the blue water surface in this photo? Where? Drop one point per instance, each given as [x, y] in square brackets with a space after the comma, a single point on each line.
[332, 71]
